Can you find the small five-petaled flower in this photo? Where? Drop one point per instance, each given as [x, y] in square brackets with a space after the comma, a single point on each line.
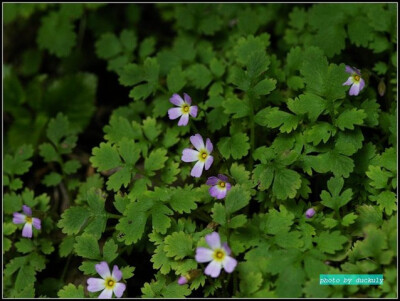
[19, 218]
[219, 186]
[201, 155]
[218, 255]
[108, 282]
[184, 109]
[355, 80]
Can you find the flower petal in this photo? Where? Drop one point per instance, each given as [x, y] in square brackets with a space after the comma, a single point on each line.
[197, 169]
[355, 89]
[176, 100]
[184, 120]
[229, 264]
[116, 273]
[212, 181]
[182, 280]
[228, 186]
[103, 269]
[18, 218]
[213, 269]
[197, 141]
[223, 178]
[106, 294]
[27, 210]
[119, 289]
[213, 240]
[174, 113]
[209, 146]
[209, 161]
[203, 254]
[27, 230]
[348, 82]
[362, 84]
[190, 155]
[349, 69]
[226, 248]
[193, 111]
[95, 284]
[216, 192]
[36, 223]
[187, 98]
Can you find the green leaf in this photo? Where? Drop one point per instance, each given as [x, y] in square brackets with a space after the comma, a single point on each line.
[320, 131]
[155, 160]
[120, 178]
[48, 152]
[349, 219]
[127, 272]
[87, 246]
[239, 108]
[236, 199]
[349, 118]
[379, 177]
[178, 245]
[264, 87]
[73, 219]
[330, 242]
[286, 183]
[176, 79]
[236, 146]
[105, 157]
[335, 200]
[184, 200]
[308, 103]
[52, 179]
[150, 129]
[278, 221]
[147, 47]
[56, 34]
[273, 118]
[387, 201]
[263, 175]
[110, 249]
[18, 164]
[128, 40]
[24, 245]
[71, 166]
[71, 291]
[66, 246]
[108, 46]
[237, 221]
[199, 76]
[219, 214]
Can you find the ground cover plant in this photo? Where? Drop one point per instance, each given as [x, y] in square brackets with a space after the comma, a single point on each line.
[199, 150]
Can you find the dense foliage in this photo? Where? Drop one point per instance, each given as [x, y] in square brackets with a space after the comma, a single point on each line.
[90, 147]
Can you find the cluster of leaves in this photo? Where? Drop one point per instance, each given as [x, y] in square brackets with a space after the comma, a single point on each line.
[268, 81]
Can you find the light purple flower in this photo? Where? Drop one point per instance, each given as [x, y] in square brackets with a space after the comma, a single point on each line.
[19, 218]
[218, 255]
[108, 282]
[310, 213]
[201, 155]
[355, 80]
[182, 280]
[219, 186]
[184, 109]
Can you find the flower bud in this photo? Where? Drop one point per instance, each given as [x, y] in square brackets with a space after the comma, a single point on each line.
[381, 87]
[310, 213]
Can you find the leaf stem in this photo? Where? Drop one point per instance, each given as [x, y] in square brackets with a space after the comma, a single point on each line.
[111, 215]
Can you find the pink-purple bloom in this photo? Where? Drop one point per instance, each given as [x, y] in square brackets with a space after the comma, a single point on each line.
[201, 155]
[310, 213]
[355, 80]
[182, 280]
[184, 109]
[219, 186]
[218, 255]
[19, 218]
[108, 281]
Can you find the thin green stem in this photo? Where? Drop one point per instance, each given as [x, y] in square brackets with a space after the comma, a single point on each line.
[111, 215]
[252, 134]
[66, 268]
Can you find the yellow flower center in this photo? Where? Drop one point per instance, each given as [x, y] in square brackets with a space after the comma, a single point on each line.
[204, 155]
[219, 255]
[110, 283]
[222, 184]
[357, 77]
[28, 219]
[185, 108]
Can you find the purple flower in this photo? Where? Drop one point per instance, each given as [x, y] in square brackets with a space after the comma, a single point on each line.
[26, 218]
[218, 255]
[219, 186]
[108, 282]
[183, 110]
[355, 80]
[201, 155]
[182, 280]
[310, 213]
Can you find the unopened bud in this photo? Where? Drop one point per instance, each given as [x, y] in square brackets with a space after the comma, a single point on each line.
[182, 280]
[381, 87]
[310, 213]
